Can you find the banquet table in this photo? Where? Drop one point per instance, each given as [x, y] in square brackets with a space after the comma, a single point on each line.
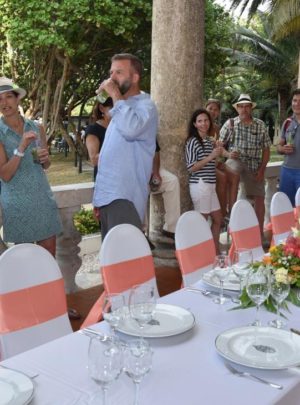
[186, 368]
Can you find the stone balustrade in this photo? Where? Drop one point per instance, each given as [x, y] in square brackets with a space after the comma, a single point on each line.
[70, 198]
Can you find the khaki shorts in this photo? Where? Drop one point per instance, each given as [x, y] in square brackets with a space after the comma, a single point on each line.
[253, 188]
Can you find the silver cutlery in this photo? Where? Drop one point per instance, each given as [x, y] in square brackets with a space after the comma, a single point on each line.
[206, 293]
[93, 333]
[253, 376]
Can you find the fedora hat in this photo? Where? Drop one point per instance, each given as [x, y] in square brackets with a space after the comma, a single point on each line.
[244, 99]
[8, 85]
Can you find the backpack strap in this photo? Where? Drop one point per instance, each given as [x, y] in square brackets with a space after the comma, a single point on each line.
[287, 123]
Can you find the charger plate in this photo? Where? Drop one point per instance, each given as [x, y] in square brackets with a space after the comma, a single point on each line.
[169, 320]
[232, 283]
[260, 347]
[15, 388]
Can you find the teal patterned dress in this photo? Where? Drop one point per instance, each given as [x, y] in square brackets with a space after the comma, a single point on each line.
[29, 210]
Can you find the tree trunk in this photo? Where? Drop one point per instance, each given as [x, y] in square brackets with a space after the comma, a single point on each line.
[176, 84]
[298, 86]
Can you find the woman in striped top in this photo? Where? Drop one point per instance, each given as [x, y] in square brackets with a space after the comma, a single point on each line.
[200, 156]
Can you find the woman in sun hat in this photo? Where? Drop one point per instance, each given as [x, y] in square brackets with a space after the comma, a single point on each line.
[29, 209]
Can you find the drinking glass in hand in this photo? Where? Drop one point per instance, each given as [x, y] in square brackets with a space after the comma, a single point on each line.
[105, 364]
[221, 268]
[279, 288]
[137, 362]
[142, 304]
[258, 289]
[241, 264]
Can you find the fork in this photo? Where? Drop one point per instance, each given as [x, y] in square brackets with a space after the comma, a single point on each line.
[254, 377]
[206, 293]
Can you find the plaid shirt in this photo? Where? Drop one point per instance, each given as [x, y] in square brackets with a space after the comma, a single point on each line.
[249, 140]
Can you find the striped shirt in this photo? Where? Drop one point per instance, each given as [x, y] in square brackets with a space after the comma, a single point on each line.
[194, 152]
[250, 140]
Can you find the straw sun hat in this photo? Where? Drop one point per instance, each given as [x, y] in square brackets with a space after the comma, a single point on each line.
[8, 85]
[244, 99]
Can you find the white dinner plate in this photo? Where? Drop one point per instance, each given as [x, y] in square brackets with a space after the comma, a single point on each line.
[169, 320]
[232, 283]
[260, 347]
[15, 388]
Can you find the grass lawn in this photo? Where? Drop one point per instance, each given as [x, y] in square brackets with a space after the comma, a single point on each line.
[62, 170]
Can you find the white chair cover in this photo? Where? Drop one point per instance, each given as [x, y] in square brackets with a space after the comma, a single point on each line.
[195, 249]
[282, 217]
[30, 274]
[244, 229]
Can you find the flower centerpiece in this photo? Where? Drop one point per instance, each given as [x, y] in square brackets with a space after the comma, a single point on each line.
[283, 261]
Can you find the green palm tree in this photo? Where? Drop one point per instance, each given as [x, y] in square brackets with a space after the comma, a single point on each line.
[285, 17]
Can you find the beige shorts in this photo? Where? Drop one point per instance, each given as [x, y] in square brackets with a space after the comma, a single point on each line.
[253, 188]
[204, 197]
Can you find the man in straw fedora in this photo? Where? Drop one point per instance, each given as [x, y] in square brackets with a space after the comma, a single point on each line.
[249, 152]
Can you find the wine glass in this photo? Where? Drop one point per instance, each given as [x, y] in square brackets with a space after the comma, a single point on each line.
[137, 362]
[258, 288]
[105, 364]
[279, 289]
[113, 310]
[241, 264]
[142, 305]
[221, 268]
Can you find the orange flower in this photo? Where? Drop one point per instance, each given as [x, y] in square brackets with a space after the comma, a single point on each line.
[295, 267]
[267, 260]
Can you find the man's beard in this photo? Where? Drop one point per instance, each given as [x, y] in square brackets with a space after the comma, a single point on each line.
[124, 87]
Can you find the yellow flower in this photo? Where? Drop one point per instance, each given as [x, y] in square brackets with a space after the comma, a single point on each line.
[281, 275]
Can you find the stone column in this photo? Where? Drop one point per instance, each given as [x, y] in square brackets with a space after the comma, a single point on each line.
[176, 84]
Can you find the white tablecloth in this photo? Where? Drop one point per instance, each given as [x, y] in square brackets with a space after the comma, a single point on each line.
[186, 368]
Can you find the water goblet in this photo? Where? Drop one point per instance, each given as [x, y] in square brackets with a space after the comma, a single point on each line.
[105, 364]
[279, 289]
[241, 265]
[137, 362]
[258, 289]
[142, 305]
[221, 268]
[113, 310]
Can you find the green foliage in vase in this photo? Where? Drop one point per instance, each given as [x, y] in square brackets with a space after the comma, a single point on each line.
[85, 222]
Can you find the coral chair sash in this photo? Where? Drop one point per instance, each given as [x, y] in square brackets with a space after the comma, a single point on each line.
[120, 277]
[192, 258]
[283, 222]
[248, 238]
[31, 306]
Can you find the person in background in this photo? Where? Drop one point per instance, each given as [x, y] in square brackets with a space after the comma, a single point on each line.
[200, 156]
[122, 183]
[227, 180]
[95, 131]
[249, 152]
[166, 183]
[289, 145]
[29, 210]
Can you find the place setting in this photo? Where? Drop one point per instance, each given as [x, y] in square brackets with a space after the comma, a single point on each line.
[259, 347]
[16, 388]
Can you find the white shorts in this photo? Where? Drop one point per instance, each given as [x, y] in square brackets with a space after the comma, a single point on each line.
[204, 197]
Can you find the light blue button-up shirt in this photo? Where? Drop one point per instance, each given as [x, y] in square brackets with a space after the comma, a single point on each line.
[126, 157]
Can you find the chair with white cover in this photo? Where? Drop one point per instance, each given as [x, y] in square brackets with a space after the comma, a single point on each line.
[297, 204]
[282, 217]
[195, 248]
[125, 261]
[244, 229]
[33, 308]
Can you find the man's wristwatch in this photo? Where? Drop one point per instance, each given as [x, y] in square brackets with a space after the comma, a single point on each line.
[18, 153]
